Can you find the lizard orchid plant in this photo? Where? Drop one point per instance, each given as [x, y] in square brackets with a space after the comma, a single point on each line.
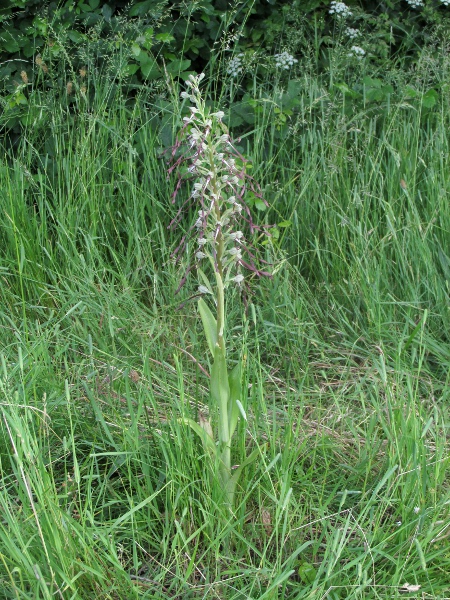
[204, 155]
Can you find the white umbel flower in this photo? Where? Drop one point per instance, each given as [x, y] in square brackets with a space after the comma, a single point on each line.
[357, 51]
[340, 9]
[353, 33]
[235, 65]
[285, 60]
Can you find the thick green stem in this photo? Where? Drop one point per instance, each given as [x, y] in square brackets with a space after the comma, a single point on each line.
[223, 408]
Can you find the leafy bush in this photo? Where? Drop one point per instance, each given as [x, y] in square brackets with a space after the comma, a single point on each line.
[54, 54]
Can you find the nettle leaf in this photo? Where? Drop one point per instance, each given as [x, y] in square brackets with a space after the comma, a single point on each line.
[372, 83]
[9, 43]
[374, 94]
[244, 111]
[130, 69]
[343, 87]
[107, 12]
[430, 98]
[410, 92]
[150, 70]
[307, 572]
[177, 66]
[140, 8]
[135, 49]
[75, 36]
[165, 38]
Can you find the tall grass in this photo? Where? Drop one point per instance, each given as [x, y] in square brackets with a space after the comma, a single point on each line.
[103, 494]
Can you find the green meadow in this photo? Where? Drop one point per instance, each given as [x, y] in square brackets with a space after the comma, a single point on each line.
[105, 493]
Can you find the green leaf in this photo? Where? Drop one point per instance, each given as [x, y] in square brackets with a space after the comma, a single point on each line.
[259, 204]
[75, 36]
[209, 324]
[410, 92]
[9, 43]
[420, 326]
[135, 49]
[107, 12]
[140, 8]
[129, 69]
[234, 381]
[220, 391]
[207, 441]
[150, 70]
[164, 37]
[430, 98]
[177, 66]
[373, 83]
[307, 572]
[205, 280]
[244, 110]
[234, 480]
[285, 224]
[343, 87]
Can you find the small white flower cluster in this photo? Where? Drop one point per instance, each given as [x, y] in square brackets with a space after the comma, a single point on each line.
[285, 60]
[357, 51]
[219, 182]
[353, 33]
[415, 3]
[235, 65]
[340, 9]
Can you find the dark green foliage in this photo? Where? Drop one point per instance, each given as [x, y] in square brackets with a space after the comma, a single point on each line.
[178, 36]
